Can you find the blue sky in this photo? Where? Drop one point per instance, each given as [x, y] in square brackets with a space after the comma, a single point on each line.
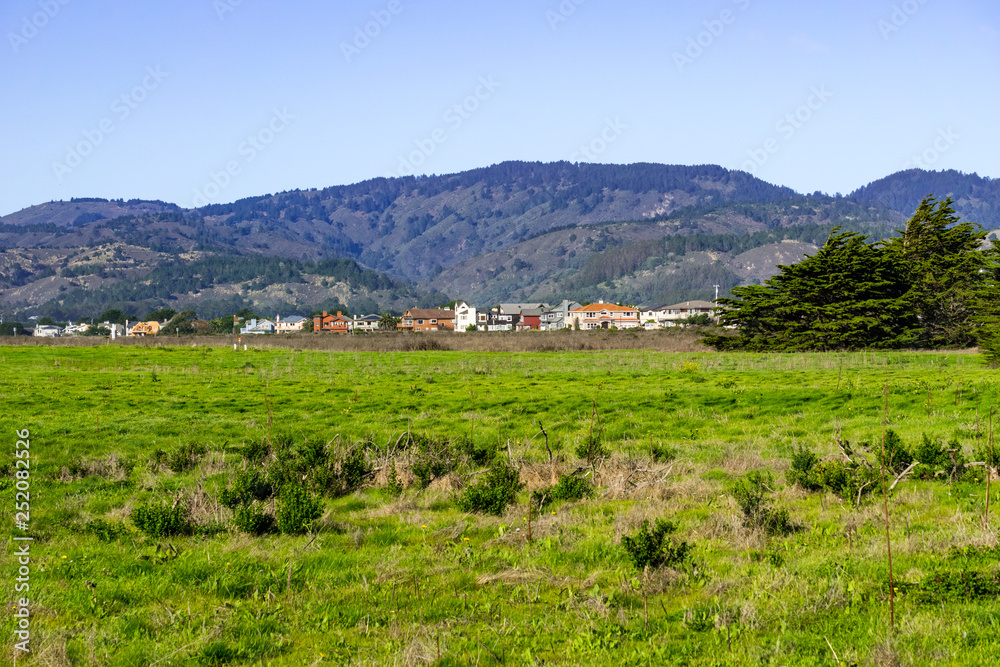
[195, 101]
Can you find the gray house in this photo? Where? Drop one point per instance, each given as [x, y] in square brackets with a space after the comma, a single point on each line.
[557, 318]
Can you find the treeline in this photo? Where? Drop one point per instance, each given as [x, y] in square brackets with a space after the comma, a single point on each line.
[622, 260]
[160, 285]
[558, 185]
[932, 286]
[975, 197]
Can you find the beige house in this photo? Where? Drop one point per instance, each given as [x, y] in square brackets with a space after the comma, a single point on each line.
[604, 316]
[145, 329]
[661, 317]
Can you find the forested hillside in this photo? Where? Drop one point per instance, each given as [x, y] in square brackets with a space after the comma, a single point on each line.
[641, 233]
[975, 198]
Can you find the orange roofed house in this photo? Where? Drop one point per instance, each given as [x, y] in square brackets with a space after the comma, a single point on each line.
[604, 316]
[334, 323]
[427, 319]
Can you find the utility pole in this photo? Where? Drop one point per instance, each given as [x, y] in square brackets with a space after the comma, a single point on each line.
[716, 292]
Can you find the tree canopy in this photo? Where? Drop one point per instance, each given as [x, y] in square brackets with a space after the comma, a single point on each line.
[918, 289]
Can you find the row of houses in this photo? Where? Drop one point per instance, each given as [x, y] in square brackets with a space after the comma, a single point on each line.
[543, 317]
[464, 317]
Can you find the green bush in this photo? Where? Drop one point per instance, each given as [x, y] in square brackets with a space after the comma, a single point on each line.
[846, 479]
[354, 470]
[494, 493]
[256, 452]
[249, 484]
[591, 450]
[569, 487]
[804, 461]
[752, 494]
[897, 456]
[480, 454]
[933, 457]
[654, 548]
[107, 531]
[185, 457]
[392, 484]
[297, 509]
[163, 521]
[661, 453]
[253, 519]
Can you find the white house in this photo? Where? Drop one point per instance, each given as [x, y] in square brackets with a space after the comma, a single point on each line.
[465, 316]
[660, 317]
[368, 323]
[47, 331]
[76, 329]
[255, 327]
[289, 324]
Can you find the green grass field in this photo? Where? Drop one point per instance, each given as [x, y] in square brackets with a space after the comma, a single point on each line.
[411, 579]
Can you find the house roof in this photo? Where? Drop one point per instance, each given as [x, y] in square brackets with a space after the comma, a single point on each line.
[688, 305]
[610, 307]
[532, 312]
[369, 318]
[507, 308]
[431, 313]
[292, 319]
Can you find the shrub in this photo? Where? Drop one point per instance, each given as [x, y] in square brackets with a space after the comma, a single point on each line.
[569, 487]
[353, 471]
[393, 485]
[107, 531]
[933, 457]
[494, 493]
[480, 454]
[249, 485]
[803, 462]
[654, 548]
[256, 452]
[163, 521]
[253, 519]
[426, 471]
[661, 453]
[297, 509]
[591, 449]
[751, 493]
[897, 456]
[157, 458]
[848, 480]
[185, 457]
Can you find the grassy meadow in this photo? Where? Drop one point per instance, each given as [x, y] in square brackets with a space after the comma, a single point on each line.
[407, 578]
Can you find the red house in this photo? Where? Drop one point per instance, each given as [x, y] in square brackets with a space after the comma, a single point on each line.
[531, 318]
[334, 323]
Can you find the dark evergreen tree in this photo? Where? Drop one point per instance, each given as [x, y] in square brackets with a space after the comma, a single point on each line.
[845, 296]
[939, 258]
[918, 289]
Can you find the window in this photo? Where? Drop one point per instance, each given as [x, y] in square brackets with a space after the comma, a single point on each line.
[420, 321]
[434, 321]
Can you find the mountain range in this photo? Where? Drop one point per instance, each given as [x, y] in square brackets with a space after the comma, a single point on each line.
[516, 231]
